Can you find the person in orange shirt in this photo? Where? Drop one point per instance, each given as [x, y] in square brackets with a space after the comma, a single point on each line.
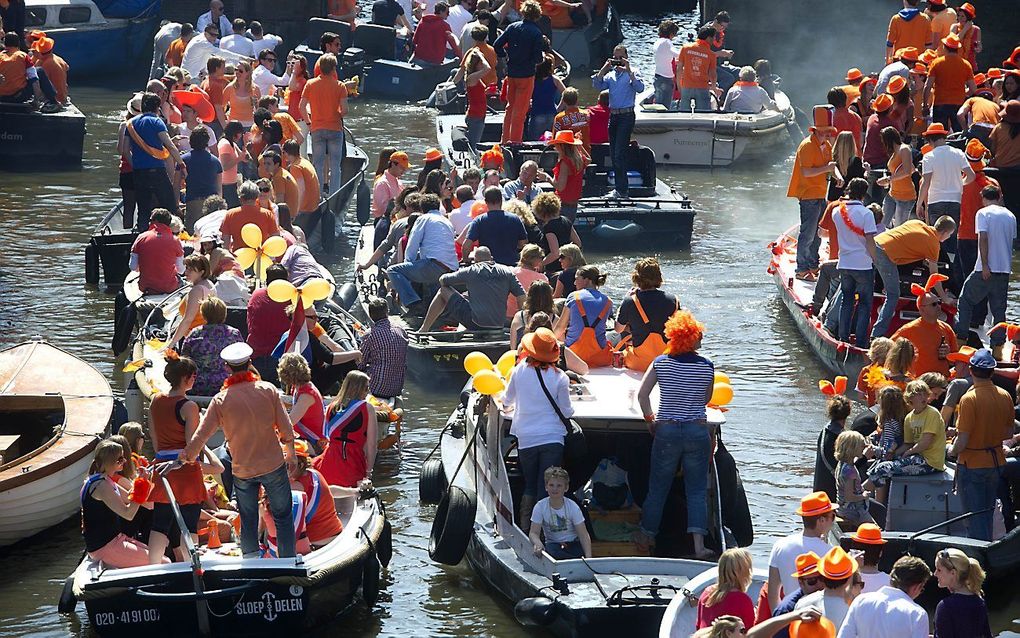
[950, 80]
[18, 80]
[979, 114]
[291, 130]
[479, 40]
[559, 13]
[304, 173]
[933, 338]
[214, 84]
[968, 33]
[284, 185]
[175, 52]
[52, 71]
[324, 103]
[572, 118]
[808, 184]
[249, 212]
[966, 238]
[241, 95]
[696, 71]
[908, 28]
[942, 17]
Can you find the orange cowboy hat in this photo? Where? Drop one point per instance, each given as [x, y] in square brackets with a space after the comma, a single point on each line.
[935, 130]
[976, 152]
[433, 154]
[807, 565]
[40, 43]
[896, 84]
[837, 564]
[815, 504]
[882, 103]
[565, 137]
[852, 93]
[197, 100]
[994, 73]
[823, 118]
[907, 54]
[823, 628]
[962, 355]
[869, 534]
[542, 345]
[1013, 61]
[980, 78]
[969, 9]
[928, 56]
[400, 157]
[919, 69]
[951, 41]
[854, 74]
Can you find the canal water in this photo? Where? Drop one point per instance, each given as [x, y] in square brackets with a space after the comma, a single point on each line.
[772, 425]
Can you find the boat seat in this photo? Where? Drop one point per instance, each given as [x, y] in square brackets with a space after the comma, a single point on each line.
[319, 26]
[918, 502]
[376, 40]
[459, 139]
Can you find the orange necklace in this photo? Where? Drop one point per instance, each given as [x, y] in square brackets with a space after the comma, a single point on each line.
[246, 376]
[843, 213]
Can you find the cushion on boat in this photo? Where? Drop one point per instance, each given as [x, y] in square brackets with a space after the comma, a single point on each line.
[318, 26]
[459, 140]
[377, 40]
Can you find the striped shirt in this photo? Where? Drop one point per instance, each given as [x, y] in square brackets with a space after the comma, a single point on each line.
[684, 381]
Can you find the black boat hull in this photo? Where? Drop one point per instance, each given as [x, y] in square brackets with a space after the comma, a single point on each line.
[36, 142]
[442, 363]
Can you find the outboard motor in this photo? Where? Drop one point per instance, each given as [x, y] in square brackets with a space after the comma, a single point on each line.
[352, 65]
[446, 92]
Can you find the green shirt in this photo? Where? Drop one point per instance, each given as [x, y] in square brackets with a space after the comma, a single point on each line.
[929, 420]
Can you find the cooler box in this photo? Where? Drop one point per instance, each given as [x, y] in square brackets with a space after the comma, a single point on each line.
[446, 92]
[918, 502]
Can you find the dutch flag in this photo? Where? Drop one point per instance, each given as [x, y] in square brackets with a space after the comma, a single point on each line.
[297, 338]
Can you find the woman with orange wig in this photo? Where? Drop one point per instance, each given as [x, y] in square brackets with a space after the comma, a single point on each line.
[680, 429]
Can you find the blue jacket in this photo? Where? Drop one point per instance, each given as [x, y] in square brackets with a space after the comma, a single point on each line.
[522, 45]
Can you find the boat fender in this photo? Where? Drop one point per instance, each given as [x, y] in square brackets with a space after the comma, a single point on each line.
[92, 263]
[346, 295]
[364, 203]
[432, 481]
[370, 579]
[67, 601]
[453, 526]
[119, 416]
[384, 546]
[124, 325]
[536, 611]
[617, 230]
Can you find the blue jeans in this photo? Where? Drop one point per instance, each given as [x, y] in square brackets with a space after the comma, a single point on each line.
[978, 487]
[277, 486]
[45, 85]
[946, 114]
[565, 551]
[808, 240]
[897, 211]
[861, 283]
[621, 125]
[890, 275]
[975, 290]
[676, 442]
[663, 91]
[538, 124]
[702, 99]
[421, 271]
[328, 143]
[534, 462]
[726, 76]
[475, 128]
[152, 184]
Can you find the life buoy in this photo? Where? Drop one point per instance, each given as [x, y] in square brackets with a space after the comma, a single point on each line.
[370, 579]
[617, 230]
[432, 481]
[92, 264]
[454, 524]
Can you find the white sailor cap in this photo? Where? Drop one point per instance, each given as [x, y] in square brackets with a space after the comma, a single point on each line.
[236, 353]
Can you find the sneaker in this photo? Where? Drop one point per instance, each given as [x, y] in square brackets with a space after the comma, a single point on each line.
[51, 107]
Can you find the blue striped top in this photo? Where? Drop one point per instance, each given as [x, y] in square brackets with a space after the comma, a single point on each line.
[684, 380]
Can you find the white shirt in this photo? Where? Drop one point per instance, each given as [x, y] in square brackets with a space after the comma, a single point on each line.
[946, 165]
[198, 52]
[534, 421]
[832, 605]
[896, 68]
[409, 11]
[886, 613]
[465, 34]
[874, 582]
[432, 238]
[1000, 224]
[665, 53]
[267, 81]
[786, 550]
[461, 217]
[267, 41]
[459, 16]
[237, 43]
[853, 253]
[558, 525]
[206, 19]
[746, 99]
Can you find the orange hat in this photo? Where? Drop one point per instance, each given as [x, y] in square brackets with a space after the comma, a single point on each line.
[565, 137]
[400, 157]
[907, 54]
[919, 69]
[433, 154]
[936, 129]
[852, 93]
[837, 564]
[834, 387]
[928, 56]
[933, 280]
[41, 44]
[492, 156]
[937, 3]
[542, 345]
[197, 100]
[823, 118]
[807, 629]
[882, 103]
[980, 78]
[896, 84]
[994, 73]
[815, 504]
[951, 41]
[1013, 61]
[478, 208]
[976, 151]
[869, 533]
[962, 355]
[969, 9]
[854, 74]
[926, 148]
[807, 564]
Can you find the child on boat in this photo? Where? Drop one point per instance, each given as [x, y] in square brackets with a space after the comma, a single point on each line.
[891, 411]
[877, 354]
[851, 497]
[560, 520]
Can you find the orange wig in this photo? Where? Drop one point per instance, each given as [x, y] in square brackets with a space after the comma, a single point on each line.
[684, 332]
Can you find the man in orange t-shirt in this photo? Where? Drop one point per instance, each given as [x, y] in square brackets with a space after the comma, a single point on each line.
[479, 40]
[950, 80]
[324, 104]
[695, 74]
[344, 10]
[908, 28]
[933, 338]
[52, 70]
[304, 173]
[249, 212]
[808, 184]
[284, 185]
[213, 85]
[15, 68]
[175, 52]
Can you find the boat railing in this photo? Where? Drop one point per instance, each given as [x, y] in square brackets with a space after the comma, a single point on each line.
[956, 519]
[457, 336]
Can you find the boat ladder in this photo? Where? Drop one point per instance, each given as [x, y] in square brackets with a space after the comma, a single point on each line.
[724, 133]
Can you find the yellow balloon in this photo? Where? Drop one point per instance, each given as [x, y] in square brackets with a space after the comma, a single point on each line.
[722, 394]
[477, 361]
[281, 291]
[275, 246]
[315, 290]
[487, 382]
[251, 235]
[721, 377]
[245, 257]
[506, 363]
[262, 264]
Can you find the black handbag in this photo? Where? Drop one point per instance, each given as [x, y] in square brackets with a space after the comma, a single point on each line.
[574, 445]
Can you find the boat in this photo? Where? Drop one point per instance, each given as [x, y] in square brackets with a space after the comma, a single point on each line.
[713, 139]
[437, 357]
[839, 357]
[587, 48]
[219, 593]
[31, 140]
[55, 409]
[681, 616]
[475, 477]
[654, 214]
[93, 41]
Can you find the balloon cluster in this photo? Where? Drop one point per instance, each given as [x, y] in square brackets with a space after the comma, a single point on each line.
[488, 378]
[722, 391]
[255, 253]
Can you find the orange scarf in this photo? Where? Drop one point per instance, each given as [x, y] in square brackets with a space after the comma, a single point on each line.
[743, 83]
[845, 215]
[246, 376]
[160, 154]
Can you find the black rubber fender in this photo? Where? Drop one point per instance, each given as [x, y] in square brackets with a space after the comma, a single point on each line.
[346, 295]
[370, 580]
[92, 264]
[67, 601]
[363, 205]
[735, 511]
[432, 481]
[454, 524]
[536, 611]
[124, 324]
[384, 546]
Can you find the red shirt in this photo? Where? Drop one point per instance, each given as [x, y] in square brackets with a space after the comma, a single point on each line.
[267, 321]
[598, 124]
[158, 251]
[430, 39]
[575, 180]
[477, 103]
[734, 603]
[846, 120]
[970, 203]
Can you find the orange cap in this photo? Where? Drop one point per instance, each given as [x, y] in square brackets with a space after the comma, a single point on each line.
[969, 9]
[815, 504]
[963, 355]
[837, 564]
[433, 154]
[882, 103]
[806, 629]
[951, 41]
[854, 74]
[936, 129]
[896, 84]
[807, 564]
[979, 79]
[400, 157]
[869, 534]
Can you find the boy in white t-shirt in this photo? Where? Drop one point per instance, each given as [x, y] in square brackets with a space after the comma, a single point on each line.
[560, 520]
[818, 514]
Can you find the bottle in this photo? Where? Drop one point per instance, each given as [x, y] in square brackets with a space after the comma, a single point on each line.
[942, 344]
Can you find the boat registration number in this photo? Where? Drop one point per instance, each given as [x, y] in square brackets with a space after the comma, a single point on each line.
[108, 618]
[584, 221]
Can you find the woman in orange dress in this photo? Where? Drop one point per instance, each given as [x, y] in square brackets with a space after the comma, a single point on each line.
[969, 34]
[241, 95]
